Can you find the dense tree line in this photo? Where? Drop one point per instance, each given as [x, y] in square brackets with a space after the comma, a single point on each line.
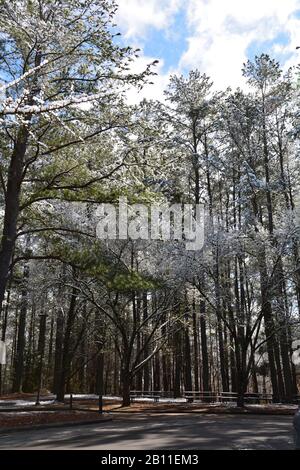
[79, 314]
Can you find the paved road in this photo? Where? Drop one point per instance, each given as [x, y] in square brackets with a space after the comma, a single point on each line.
[167, 431]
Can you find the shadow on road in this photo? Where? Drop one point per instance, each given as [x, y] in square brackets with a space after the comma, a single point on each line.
[163, 432]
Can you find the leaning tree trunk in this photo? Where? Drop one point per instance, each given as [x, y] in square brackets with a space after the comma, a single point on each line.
[12, 207]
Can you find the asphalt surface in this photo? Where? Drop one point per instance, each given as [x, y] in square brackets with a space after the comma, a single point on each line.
[162, 431]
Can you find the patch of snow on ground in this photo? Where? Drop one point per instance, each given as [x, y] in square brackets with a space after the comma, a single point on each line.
[83, 396]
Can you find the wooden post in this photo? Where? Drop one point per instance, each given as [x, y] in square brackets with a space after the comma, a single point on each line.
[100, 367]
[100, 404]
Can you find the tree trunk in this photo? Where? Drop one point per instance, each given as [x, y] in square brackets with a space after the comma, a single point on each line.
[156, 371]
[241, 390]
[66, 356]
[3, 330]
[41, 353]
[204, 351]
[29, 383]
[177, 363]
[196, 356]
[269, 330]
[137, 307]
[100, 373]
[188, 362]
[146, 371]
[19, 361]
[58, 349]
[126, 385]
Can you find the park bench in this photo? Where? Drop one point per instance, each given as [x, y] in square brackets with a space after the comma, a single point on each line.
[226, 397]
[249, 397]
[252, 398]
[154, 397]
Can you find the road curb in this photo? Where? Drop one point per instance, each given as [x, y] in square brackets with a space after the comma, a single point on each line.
[204, 412]
[53, 425]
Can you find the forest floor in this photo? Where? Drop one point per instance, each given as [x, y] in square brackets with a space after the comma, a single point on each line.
[217, 408]
[203, 408]
[31, 418]
[18, 410]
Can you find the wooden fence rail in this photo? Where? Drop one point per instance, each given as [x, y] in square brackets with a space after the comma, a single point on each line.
[207, 396]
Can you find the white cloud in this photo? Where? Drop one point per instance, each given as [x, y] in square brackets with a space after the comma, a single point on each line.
[210, 14]
[221, 57]
[135, 17]
[222, 30]
[218, 34]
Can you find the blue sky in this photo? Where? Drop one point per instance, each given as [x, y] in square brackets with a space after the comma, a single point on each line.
[215, 36]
